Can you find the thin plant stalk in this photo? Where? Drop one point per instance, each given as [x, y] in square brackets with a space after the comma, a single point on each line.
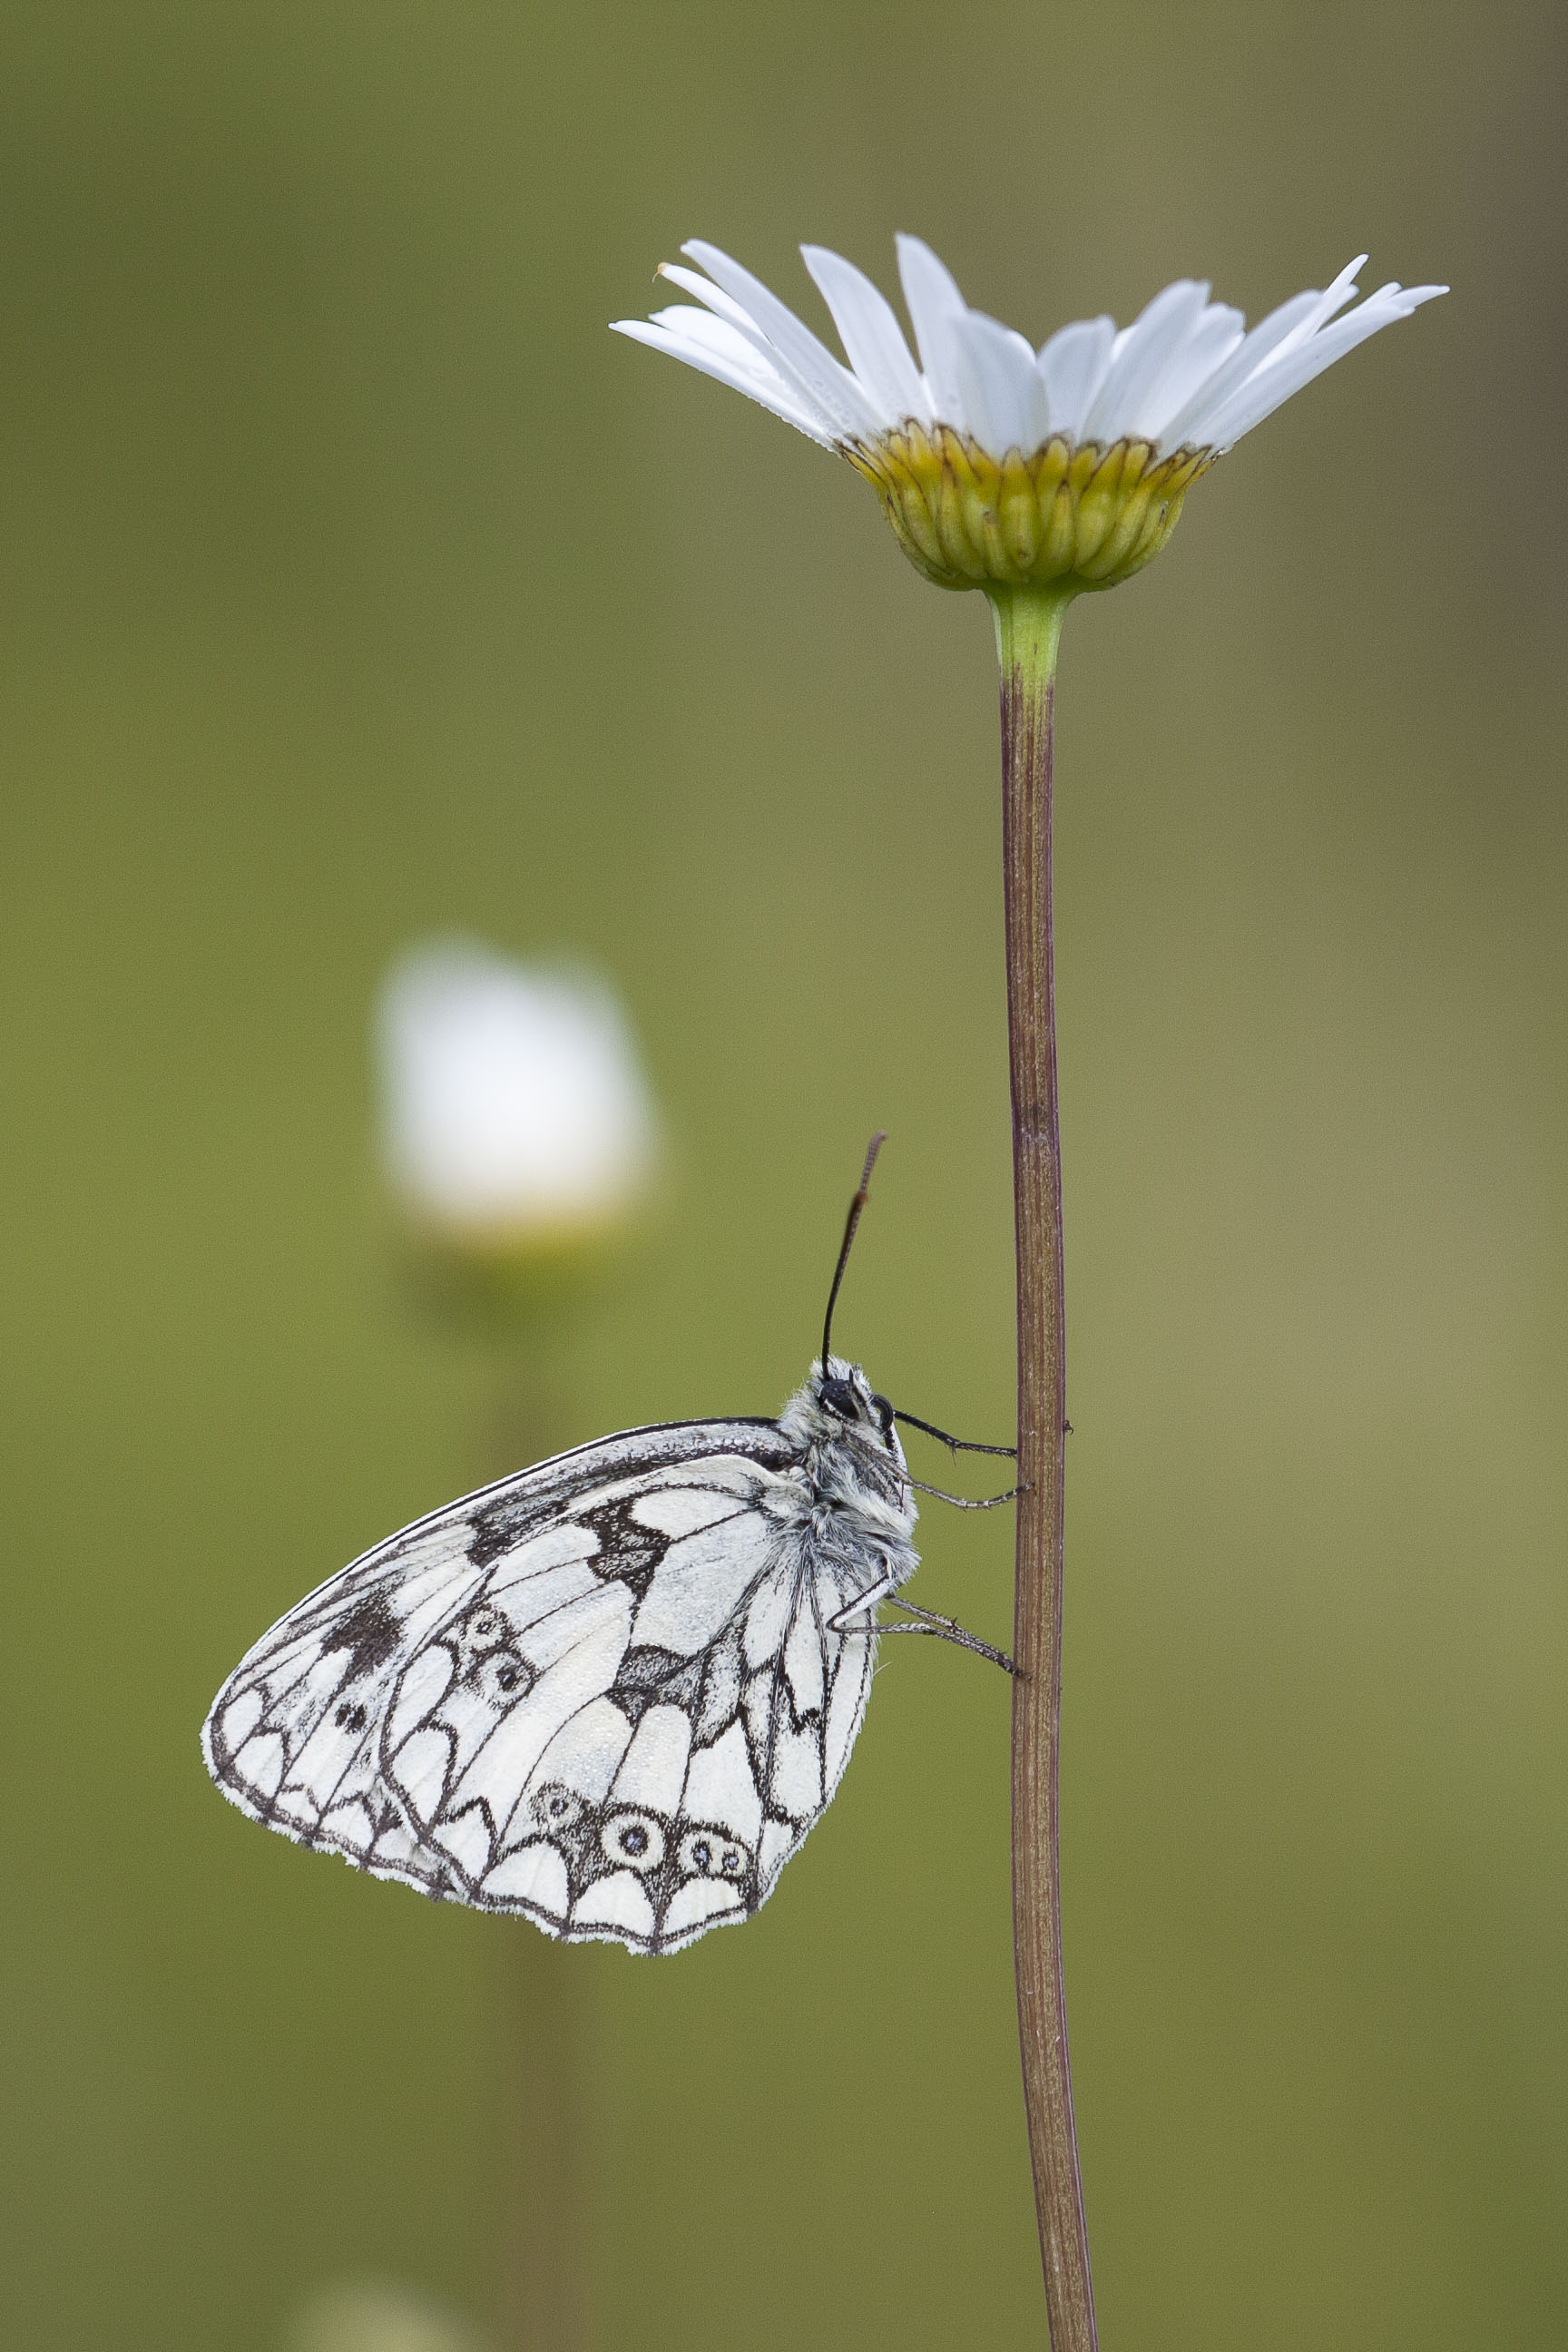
[543, 1994]
[542, 2249]
[1029, 625]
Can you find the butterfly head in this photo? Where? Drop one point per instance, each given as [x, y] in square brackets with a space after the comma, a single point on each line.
[842, 1402]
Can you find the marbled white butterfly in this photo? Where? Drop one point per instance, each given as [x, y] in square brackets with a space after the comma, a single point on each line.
[613, 1692]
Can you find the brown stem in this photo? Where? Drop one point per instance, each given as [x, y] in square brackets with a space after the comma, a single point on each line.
[1027, 626]
[543, 1994]
[543, 2251]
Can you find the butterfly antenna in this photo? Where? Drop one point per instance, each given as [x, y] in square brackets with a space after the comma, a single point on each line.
[850, 1221]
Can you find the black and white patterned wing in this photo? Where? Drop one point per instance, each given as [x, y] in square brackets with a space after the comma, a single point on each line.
[293, 1737]
[669, 1800]
[297, 1737]
[605, 1695]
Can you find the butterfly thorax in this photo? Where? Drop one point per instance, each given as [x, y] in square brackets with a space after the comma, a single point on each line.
[852, 1473]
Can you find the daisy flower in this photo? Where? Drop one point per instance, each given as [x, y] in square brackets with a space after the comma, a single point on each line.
[995, 462]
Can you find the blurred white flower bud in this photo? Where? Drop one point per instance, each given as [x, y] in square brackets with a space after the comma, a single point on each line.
[367, 2317]
[517, 1123]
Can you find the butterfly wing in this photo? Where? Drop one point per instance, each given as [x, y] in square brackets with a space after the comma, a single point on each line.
[602, 1694]
[668, 1800]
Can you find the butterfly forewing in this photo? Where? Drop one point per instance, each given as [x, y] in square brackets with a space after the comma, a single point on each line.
[607, 1692]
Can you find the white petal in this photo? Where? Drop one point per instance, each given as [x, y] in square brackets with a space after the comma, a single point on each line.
[731, 321]
[748, 353]
[1286, 330]
[783, 400]
[934, 305]
[723, 306]
[711, 345]
[871, 335]
[1330, 302]
[1002, 392]
[1217, 333]
[800, 354]
[1191, 424]
[1140, 357]
[1288, 370]
[1073, 365]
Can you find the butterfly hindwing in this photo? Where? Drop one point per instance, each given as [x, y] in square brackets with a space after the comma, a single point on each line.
[625, 1734]
[606, 1694]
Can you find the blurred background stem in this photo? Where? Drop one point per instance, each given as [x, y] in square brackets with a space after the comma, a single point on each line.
[1028, 627]
[519, 1140]
[541, 1994]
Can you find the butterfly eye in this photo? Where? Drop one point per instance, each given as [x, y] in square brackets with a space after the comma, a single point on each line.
[840, 1398]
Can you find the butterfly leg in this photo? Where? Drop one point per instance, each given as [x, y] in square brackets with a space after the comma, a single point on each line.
[956, 1445]
[944, 1628]
[966, 1502]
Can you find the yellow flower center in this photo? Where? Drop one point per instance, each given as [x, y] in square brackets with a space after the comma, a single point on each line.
[966, 518]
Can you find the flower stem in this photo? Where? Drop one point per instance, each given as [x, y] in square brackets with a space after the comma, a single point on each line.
[544, 2001]
[1029, 625]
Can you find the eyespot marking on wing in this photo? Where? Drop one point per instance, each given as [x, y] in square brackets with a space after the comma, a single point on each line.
[704, 1854]
[635, 1838]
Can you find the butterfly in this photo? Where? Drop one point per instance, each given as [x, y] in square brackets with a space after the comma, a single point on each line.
[611, 1693]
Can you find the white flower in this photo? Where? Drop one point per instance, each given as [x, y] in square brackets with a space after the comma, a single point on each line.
[514, 1106]
[1169, 394]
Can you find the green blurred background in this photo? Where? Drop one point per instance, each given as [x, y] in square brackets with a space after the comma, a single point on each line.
[358, 584]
